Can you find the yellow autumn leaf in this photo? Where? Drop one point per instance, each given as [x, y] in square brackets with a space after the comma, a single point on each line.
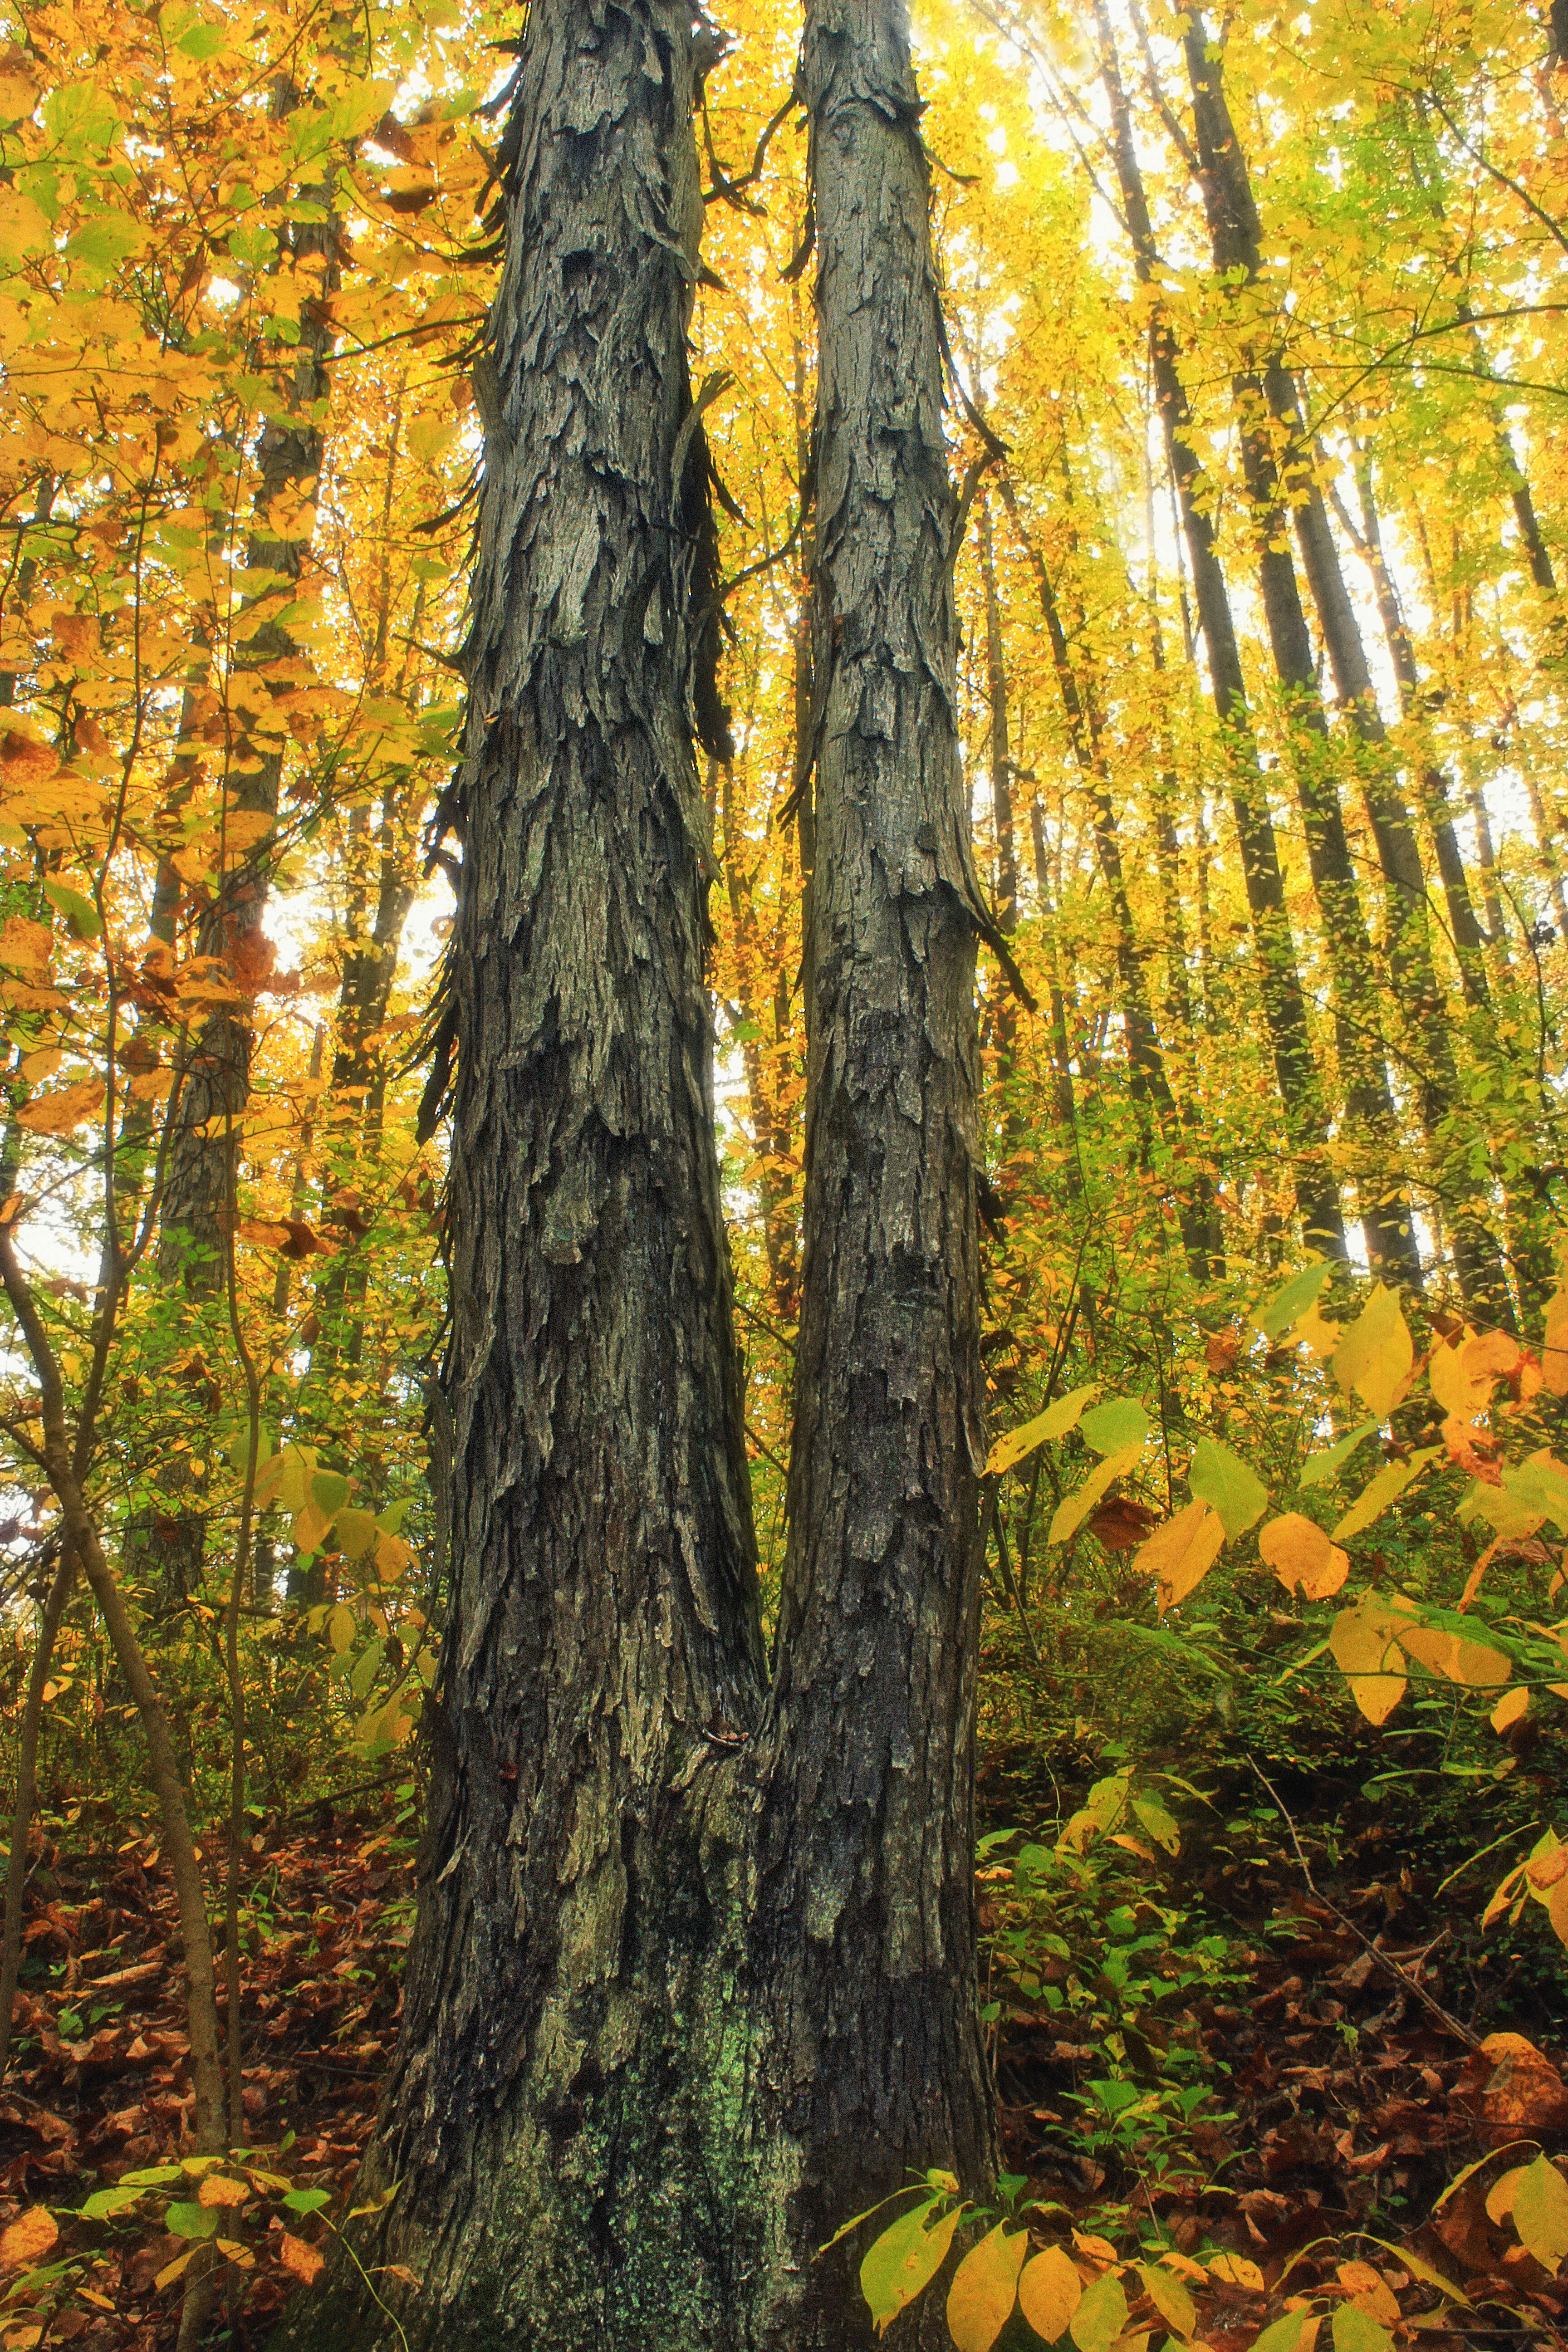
[1235, 2270]
[219, 2190]
[1509, 1708]
[1055, 1422]
[1364, 1641]
[1049, 2292]
[1375, 1356]
[1314, 1332]
[985, 2289]
[1074, 1508]
[1370, 2291]
[24, 228]
[1470, 1663]
[300, 2259]
[1540, 2213]
[1386, 1487]
[1302, 1555]
[1169, 2297]
[1462, 1392]
[1180, 1554]
[18, 92]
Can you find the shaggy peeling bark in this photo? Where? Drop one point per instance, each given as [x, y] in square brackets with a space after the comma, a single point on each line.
[867, 1757]
[693, 1977]
[564, 2111]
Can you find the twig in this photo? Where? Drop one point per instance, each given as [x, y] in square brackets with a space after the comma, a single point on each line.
[765, 1449]
[762, 1324]
[1383, 1960]
[989, 1514]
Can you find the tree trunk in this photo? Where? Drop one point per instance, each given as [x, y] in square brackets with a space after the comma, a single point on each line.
[563, 2112]
[1263, 395]
[693, 1977]
[866, 1771]
[1236, 235]
[1150, 1083]
[218, 1064]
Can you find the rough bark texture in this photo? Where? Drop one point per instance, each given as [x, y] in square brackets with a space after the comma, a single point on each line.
[694, 1974]
[564, 2110]
[866, 1764]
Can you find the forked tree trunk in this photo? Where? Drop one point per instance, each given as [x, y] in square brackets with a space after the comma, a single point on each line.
[694, 1972]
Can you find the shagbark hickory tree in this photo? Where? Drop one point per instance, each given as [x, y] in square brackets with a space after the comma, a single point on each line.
[693, 1974]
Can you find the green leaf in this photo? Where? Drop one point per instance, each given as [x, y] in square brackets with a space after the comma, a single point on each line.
[329, 1492]
[202, 41]
[1227, 1483]
[1169, 2297]
[357, 1531]
[286, 1479]
[1292, 1300]
[1114, 1425]
[905, 2259]
[255, 247]
[1329, 1464]
[102, 243]
[366, 1667]
[307, 2201]
[80, 914]
[1539, 1484]
[1358, 2331]
[78, 117]
[390, 1522]
[239, 1450]
[1101, 2317]
[157, 2176]
[1159, 1823]
[1379, 1492]
[192, 2220]
[106, 2202]
[1284, 2335]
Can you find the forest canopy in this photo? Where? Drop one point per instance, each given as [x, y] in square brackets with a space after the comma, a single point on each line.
[782, 963]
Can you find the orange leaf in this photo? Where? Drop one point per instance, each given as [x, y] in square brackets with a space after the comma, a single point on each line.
[1181, 1553]
[1300, 1553]
[28, 2239]
[264, 1232]
[301, 2261]
[215, 2189]
[1554, 1346]
[57, 1113]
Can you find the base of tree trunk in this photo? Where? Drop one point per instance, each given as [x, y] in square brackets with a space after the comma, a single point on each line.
[642, 2191]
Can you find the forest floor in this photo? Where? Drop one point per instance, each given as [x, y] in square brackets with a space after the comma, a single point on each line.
[1287, 2099]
